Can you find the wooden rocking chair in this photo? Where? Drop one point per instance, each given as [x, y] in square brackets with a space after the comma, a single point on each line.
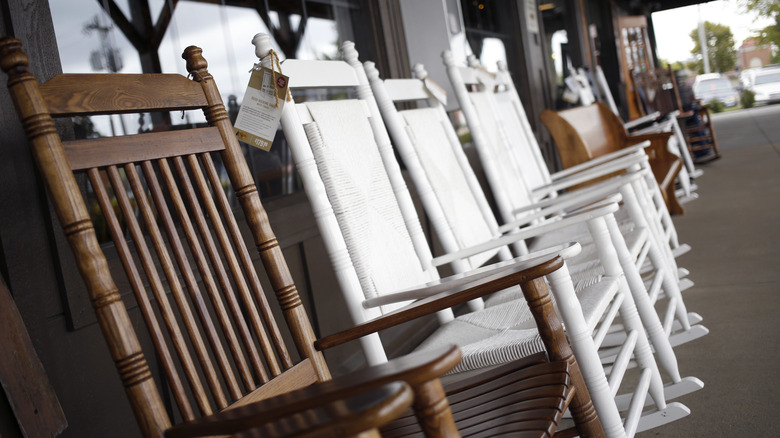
[658, 91]
[223, 356]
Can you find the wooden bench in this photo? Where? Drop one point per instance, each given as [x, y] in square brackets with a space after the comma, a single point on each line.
[587, 132]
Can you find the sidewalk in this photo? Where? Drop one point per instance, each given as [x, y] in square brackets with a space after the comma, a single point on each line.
[734, 230]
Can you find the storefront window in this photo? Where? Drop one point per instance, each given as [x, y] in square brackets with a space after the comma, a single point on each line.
[90, 41]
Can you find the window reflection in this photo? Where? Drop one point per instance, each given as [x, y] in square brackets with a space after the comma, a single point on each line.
[90, 41]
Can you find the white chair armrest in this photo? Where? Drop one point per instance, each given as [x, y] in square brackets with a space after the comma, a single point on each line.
[642, 120]
[475, 277]
[573, 199]
[622, 163]
[579, 216]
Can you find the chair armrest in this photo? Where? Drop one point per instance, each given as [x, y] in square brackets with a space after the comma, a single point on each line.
[595, 162]
[625, 161]
[570, 200]
[642, 120]
[450, 292]
[527, 233]
[652, 138]
[371, 384]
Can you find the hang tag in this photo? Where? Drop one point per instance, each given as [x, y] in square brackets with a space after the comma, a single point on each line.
[261, 109]
[435, 90]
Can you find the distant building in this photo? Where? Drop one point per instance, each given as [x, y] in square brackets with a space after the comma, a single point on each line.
[754, 54]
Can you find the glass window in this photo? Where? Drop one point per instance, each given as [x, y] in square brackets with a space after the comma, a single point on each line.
[89, 41]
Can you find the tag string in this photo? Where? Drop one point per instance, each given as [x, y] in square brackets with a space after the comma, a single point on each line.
[274, 65]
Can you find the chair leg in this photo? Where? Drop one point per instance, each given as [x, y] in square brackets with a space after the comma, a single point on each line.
[433, 410]
[587, 373]
[628, 310]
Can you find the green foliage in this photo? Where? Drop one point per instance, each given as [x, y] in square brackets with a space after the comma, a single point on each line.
[748, 99]
[695, 66]
[764, 8]
[676, 65]
[716, 106]
[768, 9]
[720, 46]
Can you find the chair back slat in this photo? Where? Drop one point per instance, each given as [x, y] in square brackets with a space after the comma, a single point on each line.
[318, 74]
[179, 294]
[105, 151]
[182, 292]
[91, 94]
[242, 308]
[158, 338]
[163, 200]
[269, 346]
[245, 309]
[208, 291]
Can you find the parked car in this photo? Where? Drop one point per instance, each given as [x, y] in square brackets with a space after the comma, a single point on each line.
[714, 86]
[766, 85]
[746, 78]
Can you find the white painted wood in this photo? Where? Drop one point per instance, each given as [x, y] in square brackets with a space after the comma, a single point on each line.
[665, 353]
[500, 179]
[333, 235]
[410, 146]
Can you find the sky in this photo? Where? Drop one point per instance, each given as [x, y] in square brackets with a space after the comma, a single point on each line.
[673, 27]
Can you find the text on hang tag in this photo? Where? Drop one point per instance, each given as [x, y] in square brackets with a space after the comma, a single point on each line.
[261, 109]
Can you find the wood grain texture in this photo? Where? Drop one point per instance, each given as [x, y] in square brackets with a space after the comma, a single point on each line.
[587, 132]
[89, 94]
[188, 267]
[31, 396]
[106, 151]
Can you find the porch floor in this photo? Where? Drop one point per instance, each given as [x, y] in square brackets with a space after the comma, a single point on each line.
[734, 230]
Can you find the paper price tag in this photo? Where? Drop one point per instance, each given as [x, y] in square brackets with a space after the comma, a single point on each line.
[261, 109]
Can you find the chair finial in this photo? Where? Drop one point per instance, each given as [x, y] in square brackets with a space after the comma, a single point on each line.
[419, 71]
[371, 71]
[449, 60]
[12, 59]
[196, 63]
[262, 43]
[349, 54]
[472, 61]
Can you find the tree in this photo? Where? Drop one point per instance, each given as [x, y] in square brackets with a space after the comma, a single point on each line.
[769, 9]
[720, 47]
[764, 8]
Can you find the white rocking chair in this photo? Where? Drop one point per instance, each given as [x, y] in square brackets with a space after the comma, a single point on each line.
[501, 132]
[669, 123]
[341, 139]
[457, 207]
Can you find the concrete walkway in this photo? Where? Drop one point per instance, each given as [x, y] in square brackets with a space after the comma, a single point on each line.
[734, 229]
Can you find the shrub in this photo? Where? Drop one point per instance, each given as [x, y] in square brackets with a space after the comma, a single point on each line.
[748, 99]
[716, 106]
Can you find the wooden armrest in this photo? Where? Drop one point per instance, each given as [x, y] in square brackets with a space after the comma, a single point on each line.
[468, 288]
[368, 386]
